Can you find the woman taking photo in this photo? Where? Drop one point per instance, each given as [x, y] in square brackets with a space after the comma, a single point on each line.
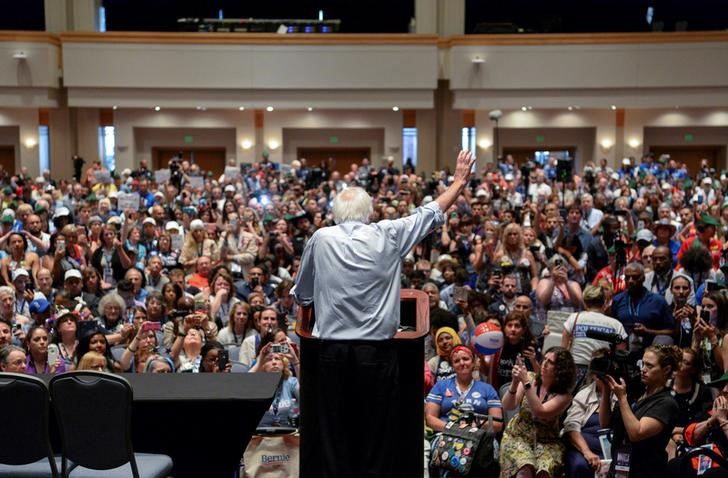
[710, 332]
[517, 340]
[641, 431]
[36, 345]
[287, 393]
[111, 310]
[459, 389]
[239, 326]
[556, 292]
[140, 349]
[531, 445]
[211, 358]
[684, 312]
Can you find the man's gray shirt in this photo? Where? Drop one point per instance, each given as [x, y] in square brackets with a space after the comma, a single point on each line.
[351, 272]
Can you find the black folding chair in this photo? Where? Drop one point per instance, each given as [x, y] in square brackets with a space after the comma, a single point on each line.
[94, 416]
[26, 447]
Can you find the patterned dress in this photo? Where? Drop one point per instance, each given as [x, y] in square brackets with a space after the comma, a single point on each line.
[530, 441]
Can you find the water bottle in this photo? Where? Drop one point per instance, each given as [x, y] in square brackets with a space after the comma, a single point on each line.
[293, 414]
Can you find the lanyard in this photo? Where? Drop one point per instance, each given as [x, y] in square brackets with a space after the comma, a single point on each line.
[634, 313]
[464, 394]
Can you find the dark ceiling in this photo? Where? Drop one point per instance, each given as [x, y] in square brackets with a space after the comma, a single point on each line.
[392, 16]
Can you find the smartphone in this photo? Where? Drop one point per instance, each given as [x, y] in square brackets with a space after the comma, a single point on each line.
[222, 359]
[200, 306]
[279, 348]
[558, 262]
[705, 316]
[620, 212]
[53, 354]
[151, 325]
[534, 249]
[60, 245]
[459, 293]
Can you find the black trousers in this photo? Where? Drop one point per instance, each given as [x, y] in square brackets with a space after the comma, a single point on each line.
[357, 388]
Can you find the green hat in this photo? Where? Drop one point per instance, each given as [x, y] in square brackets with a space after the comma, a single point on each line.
[8, 190]
[268, 217]
[7, 218]
[719, 382]
[91, 198]
[39, 208]
[708, 220]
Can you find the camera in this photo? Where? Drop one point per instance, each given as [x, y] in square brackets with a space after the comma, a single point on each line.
[279, 348]
[620, 212]
[615, 363]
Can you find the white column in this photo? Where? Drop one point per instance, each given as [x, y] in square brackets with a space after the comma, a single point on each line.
[451, 17]
[426, 16]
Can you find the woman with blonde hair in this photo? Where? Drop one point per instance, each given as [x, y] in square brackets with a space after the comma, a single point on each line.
[239, 326]
[512, 253]
[196, 245]
[92, 361]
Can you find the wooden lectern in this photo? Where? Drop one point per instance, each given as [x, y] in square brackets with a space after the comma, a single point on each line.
[409, 342]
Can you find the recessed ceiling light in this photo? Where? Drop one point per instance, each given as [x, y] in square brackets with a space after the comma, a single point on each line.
[201, 108]
[269, 109]
[524, 108]
[395, 108]
[309, 108]
[242, 108]
[570, 108]
[157, 108]
[114, 107]
[530, 108]
[614, 107]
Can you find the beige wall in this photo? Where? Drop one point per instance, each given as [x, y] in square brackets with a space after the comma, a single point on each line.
[147, 138]
[372, 138]
[23, 123]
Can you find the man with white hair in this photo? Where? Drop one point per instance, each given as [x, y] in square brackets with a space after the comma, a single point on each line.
[350, 273]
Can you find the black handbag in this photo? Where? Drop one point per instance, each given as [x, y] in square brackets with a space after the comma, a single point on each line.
[465, 448]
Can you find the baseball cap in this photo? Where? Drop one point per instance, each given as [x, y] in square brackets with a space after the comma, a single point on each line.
[707, 181]
[20, 272]
[38, 306]
[230, 188]
[645, 235]
[172, 225]
[197, 224]
[149, 220]
[94, 219]
[61, 212]
[71, 274]
[7, 218]
[480, 193]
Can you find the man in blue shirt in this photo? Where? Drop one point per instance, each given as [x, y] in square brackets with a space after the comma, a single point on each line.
[644, 314]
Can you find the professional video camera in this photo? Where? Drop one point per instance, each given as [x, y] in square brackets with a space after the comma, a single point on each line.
[617, 363]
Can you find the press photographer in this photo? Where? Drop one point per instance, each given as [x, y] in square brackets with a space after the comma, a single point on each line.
[642, 429]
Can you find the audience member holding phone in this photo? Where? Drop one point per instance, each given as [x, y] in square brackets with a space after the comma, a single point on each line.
[287, 394]
[710, 332]
[215, 358]
[141, 348]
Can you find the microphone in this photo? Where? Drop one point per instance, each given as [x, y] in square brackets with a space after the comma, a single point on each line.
[610, 337]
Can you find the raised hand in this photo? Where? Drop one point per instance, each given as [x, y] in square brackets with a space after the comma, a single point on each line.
[464, 165]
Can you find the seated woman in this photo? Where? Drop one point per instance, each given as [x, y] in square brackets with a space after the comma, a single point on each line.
[581, 427]
[462, 388]
[439, 366]
[64, 335]
[284, 402]
[531, 446]
[712, 430]
[92, 361]
[142, 346]
[239, 326]
[95, 340]
[112, 309]
[36, 345]
[281, 344]
[211, 358]
[642, 430]
[187, 350]
[159, 364]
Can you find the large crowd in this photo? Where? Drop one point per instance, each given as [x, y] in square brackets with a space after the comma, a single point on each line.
[130, 271]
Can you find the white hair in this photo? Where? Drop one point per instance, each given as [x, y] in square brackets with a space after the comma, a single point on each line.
[352, 204]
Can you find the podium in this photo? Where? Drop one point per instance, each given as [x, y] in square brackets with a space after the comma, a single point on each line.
[409, 344]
